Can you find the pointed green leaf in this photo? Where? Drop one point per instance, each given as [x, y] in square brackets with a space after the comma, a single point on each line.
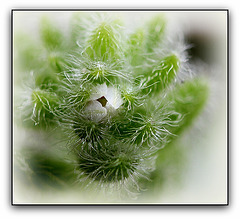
[44, 104]
[135, 50]
[47, 168]
[103, 44]
[27, 53]
[51, 36]
[188, 99]
[155, 31]
[162, 75]
[78, 29]
[47, 81]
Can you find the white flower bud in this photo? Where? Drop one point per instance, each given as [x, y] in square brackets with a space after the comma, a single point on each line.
[102, 101]
[94, 111]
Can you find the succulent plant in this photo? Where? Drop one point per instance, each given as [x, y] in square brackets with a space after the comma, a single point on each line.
[116, 101]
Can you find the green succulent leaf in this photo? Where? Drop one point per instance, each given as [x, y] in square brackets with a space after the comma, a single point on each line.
[44, 105]
[104, 43]
[155, 32]
[47, 81]
[136, 47]
[162, 75]
[78, 29]
[47, 168]
[189, 99]
[26, 56]
[51, 36]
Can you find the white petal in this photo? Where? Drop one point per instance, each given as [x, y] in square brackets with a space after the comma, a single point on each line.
[113, 96]
[94, 111]
[99, 91]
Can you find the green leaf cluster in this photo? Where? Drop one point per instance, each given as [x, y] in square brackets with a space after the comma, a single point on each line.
[156, 106]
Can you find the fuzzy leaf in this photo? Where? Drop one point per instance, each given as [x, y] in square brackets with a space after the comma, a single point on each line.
[136, 44]
[47, 168]
[51, 36]
[109, 161]
[47, 81]
[103, 44]
[162, 75]
[26, 56]
[155, 32]
[57, 61]
[188, 100]
[78, 30]
[44, 104]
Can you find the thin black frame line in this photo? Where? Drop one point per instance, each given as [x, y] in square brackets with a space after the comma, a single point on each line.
[114, 9]
[228, 116]
[122, 205]
[11, 67]
[119, 204]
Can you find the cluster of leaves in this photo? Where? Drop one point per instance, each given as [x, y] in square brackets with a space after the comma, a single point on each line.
[121, 147]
